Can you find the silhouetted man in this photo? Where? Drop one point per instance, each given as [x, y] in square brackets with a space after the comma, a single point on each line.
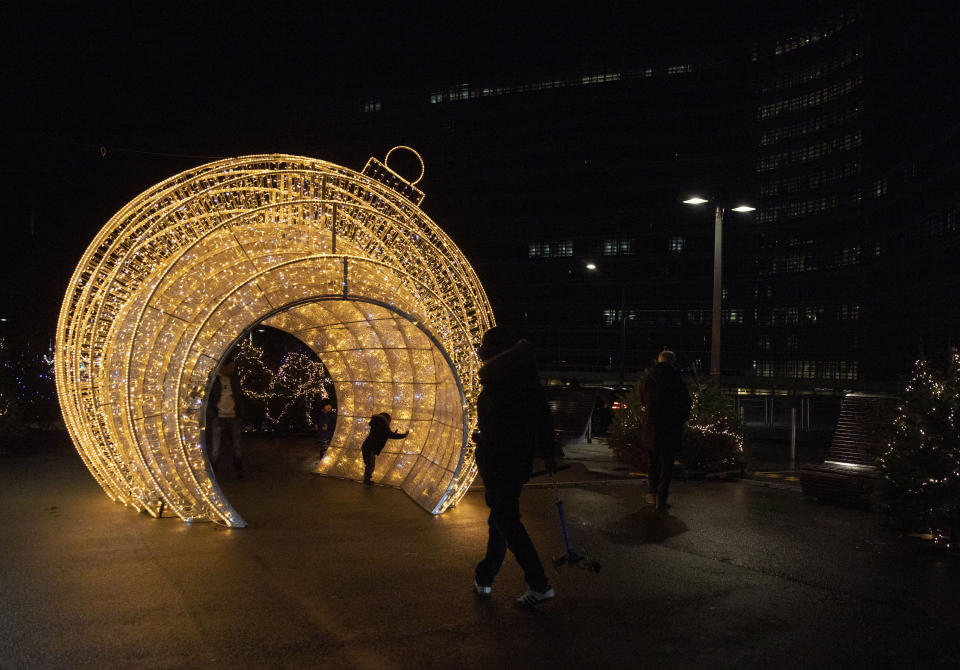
[668, 403]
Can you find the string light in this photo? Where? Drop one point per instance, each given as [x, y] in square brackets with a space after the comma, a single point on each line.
[921, 462]
[345, 261]
[297, 377]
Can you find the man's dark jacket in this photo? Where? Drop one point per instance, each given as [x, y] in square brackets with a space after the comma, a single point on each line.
[668, 406]
[512, 414]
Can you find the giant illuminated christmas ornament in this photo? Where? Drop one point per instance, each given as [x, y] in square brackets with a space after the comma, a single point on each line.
[346, 261]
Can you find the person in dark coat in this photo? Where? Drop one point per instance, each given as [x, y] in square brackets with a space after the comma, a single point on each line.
[373, 444]
[225, 414]
[326, 424]
[668, 403]
[514, 426]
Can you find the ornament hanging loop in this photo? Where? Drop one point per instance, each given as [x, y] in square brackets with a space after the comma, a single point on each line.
[386, 161]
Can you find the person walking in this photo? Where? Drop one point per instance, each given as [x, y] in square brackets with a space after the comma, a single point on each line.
[667, 403]
[514, 425]
[224, 414]
[373, 444]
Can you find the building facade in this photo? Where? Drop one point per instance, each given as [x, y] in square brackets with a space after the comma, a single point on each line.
[834, 121]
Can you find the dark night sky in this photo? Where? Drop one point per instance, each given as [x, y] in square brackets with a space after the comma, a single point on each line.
[224, 79]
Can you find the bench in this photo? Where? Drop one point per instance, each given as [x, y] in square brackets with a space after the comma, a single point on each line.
[850, 472]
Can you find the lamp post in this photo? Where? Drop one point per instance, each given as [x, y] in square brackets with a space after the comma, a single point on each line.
[717, 279]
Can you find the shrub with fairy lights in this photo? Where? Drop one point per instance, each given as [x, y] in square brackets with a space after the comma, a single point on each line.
[288, 393]
[712, 437]
[921, 466]
[28, 399]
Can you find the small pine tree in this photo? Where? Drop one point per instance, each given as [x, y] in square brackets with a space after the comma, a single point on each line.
[713, 438]
[921, 465]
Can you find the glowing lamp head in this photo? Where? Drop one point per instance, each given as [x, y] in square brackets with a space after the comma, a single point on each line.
[591, 266]
[695, 200]
[744, 208]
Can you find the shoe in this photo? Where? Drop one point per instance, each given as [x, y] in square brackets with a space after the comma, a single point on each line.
[650, 499]
[237, 464]
[662, 505]
[532, 598]
[367, 482]
[482, 591]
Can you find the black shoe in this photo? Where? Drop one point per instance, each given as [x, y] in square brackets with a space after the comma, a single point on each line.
[662, 505]
[367, 482]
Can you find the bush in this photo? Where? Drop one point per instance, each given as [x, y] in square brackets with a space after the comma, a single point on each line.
[713, 437]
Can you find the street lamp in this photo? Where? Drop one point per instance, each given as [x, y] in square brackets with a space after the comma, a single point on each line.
[717, 278]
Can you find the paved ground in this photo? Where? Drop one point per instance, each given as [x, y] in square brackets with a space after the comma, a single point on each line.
[330, 574]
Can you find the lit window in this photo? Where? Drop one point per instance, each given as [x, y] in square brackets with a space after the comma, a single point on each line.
[733, 316]
[561, 249]
[618, 247]
[676, 244]
[880, 188]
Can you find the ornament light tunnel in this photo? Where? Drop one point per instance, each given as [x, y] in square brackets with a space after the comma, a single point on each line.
[346, 261]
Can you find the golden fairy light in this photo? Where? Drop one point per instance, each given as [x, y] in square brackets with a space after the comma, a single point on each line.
[346, 261]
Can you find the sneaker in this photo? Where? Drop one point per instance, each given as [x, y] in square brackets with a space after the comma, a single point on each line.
[482, 591]
[531, 597]
[650, 499]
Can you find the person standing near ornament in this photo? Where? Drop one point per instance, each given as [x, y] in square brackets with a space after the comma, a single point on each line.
[380, 432]
[326, 424]
[224, 415]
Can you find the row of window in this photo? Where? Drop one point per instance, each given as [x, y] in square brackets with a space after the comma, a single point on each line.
[655, 317]
[464, 92]
[610, 247]
[797, 315]
[562, 249]
[618, 247]
[805, 261]
[810, 152]
[811, 126]
[812, 73]
[833, 370]
[789, 316]
[812, 99]
[789, 210]
[811, 181]
[847, 312]
[843, 19]
[775, 317]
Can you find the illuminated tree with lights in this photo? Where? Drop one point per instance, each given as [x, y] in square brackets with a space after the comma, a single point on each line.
[298, 378]
[921, 466]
